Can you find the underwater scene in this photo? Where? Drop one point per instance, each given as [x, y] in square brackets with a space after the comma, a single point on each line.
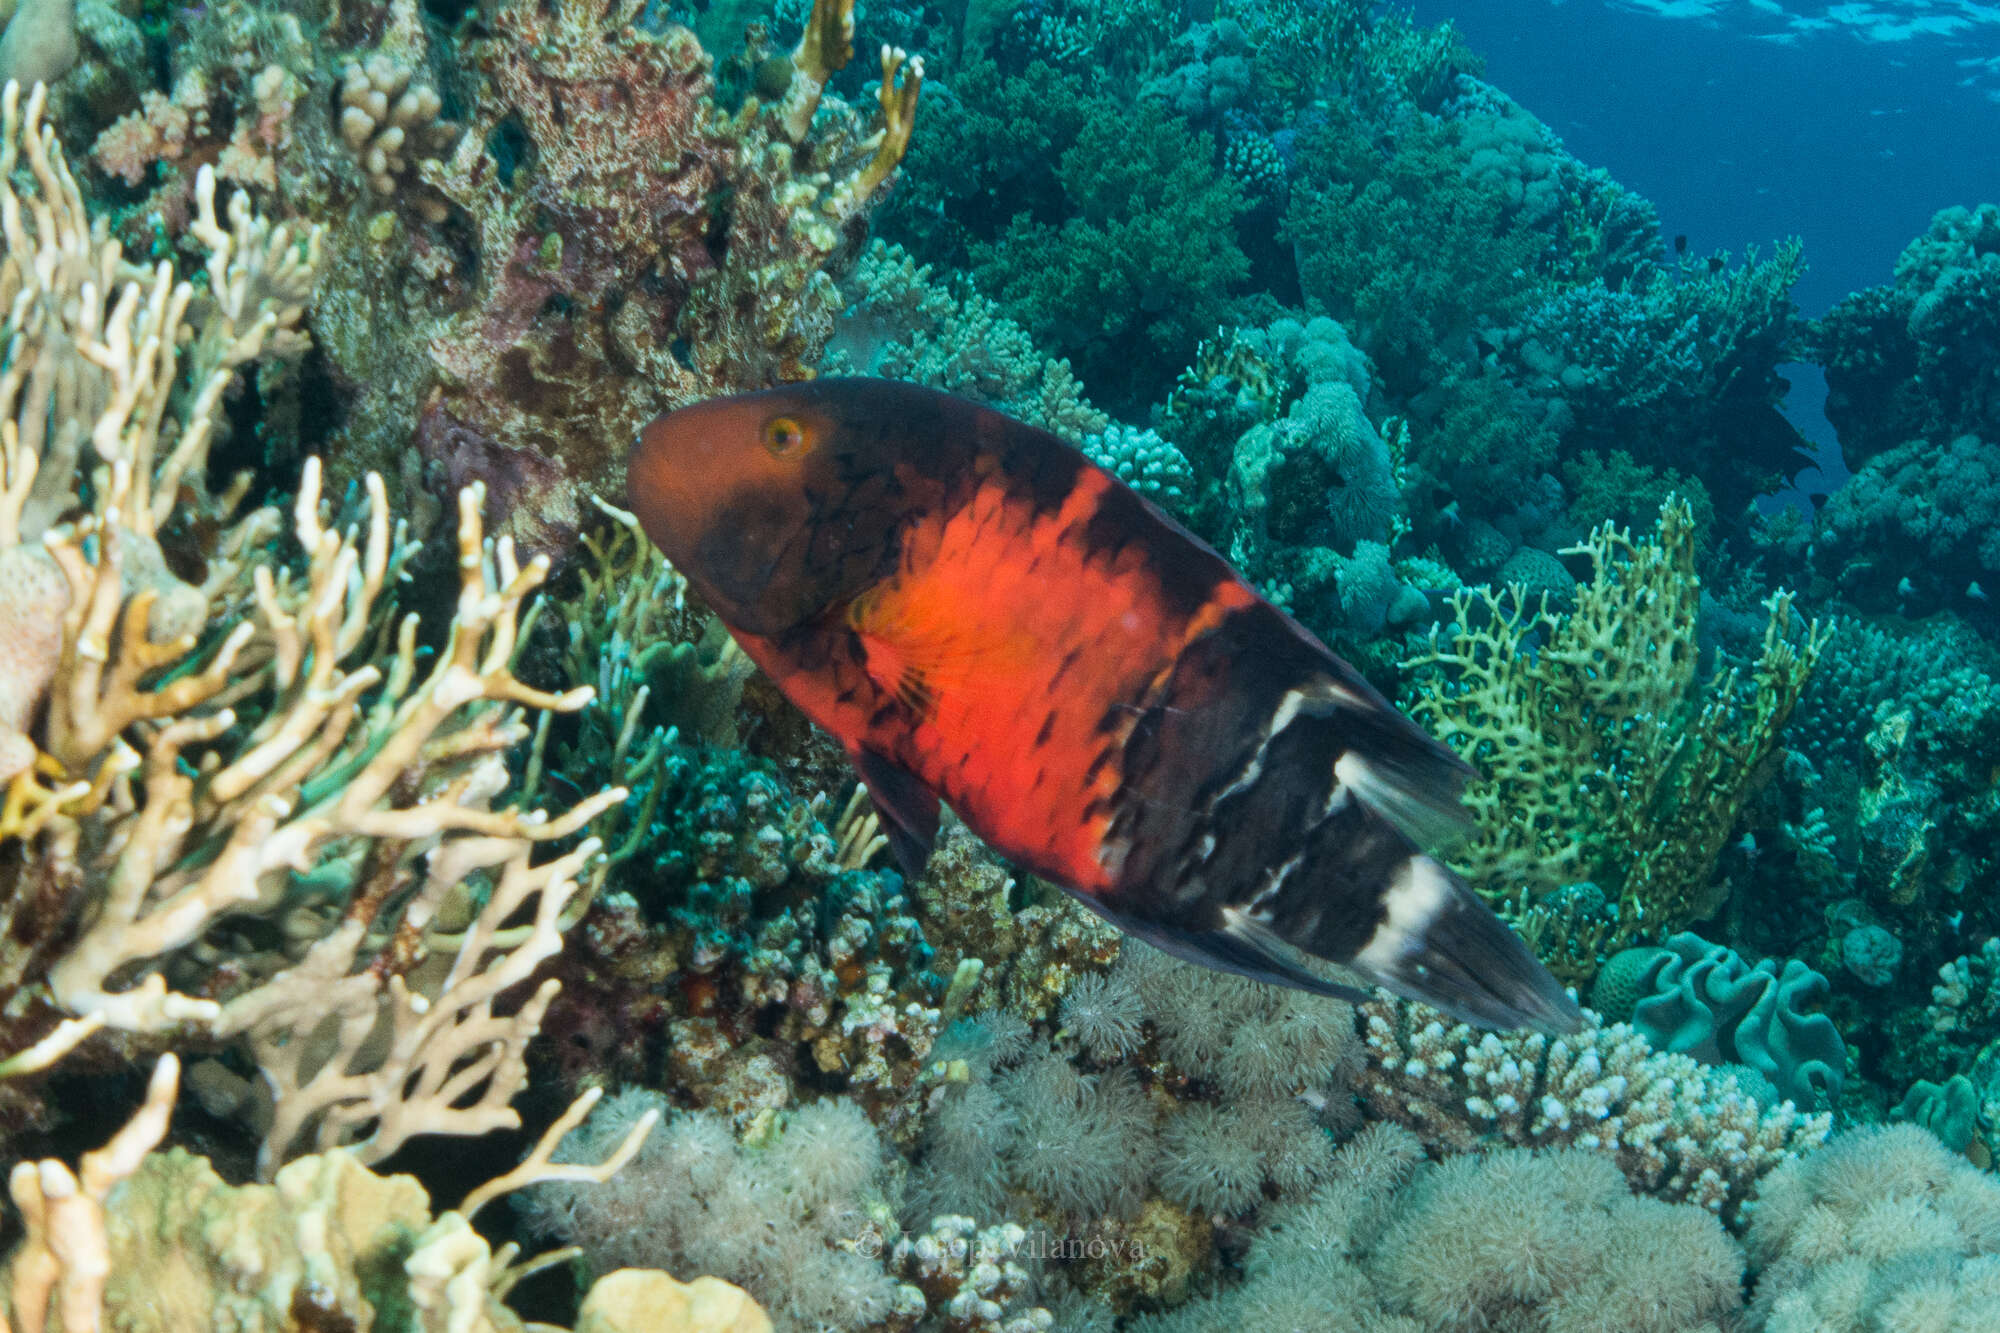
[985, 666]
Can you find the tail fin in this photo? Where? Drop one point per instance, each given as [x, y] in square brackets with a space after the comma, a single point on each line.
[1440, 943]
[1275, 804]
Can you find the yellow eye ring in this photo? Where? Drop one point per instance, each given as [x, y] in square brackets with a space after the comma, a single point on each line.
[786, 437]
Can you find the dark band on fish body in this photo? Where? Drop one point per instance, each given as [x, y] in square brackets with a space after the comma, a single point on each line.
[1125, 520]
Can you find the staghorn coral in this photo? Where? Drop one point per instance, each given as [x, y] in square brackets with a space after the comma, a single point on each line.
[1603, 761]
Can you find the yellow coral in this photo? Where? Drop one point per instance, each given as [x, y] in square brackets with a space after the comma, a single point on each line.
[1600, 760]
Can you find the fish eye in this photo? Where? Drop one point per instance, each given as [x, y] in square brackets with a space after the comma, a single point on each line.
[786, 437]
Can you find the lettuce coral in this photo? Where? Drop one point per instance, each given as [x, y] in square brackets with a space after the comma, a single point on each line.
[1702, 999]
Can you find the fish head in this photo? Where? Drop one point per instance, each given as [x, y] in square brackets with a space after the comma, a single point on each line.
[779, 505]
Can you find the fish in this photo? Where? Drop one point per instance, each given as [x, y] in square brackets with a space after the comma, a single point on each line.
[988, 621]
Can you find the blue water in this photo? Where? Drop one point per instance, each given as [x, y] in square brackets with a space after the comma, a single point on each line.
[1848, 125]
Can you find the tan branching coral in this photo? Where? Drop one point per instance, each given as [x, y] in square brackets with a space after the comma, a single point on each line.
[155, 1242]
[389, 121]
[267, 815]
[118, 367]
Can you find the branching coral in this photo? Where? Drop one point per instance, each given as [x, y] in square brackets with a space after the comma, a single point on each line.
[736, 924]
[267, 833]
[1602, 760]
[1150, 251]
[157, 1242]
[1677, 1130]
[389, 122]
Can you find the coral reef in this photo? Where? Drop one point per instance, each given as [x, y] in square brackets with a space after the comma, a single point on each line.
[361, 756]
[1904, 361]
[542, 229]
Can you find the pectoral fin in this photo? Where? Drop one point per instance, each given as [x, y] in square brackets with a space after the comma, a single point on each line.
[909, 809]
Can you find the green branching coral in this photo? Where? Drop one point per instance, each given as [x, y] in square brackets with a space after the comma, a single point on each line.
[1402, 246]
[1146, 256]
[659, 666]
[1604, 759]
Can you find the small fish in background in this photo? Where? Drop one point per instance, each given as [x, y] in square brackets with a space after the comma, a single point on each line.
[1680, 243]
[984, 617]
